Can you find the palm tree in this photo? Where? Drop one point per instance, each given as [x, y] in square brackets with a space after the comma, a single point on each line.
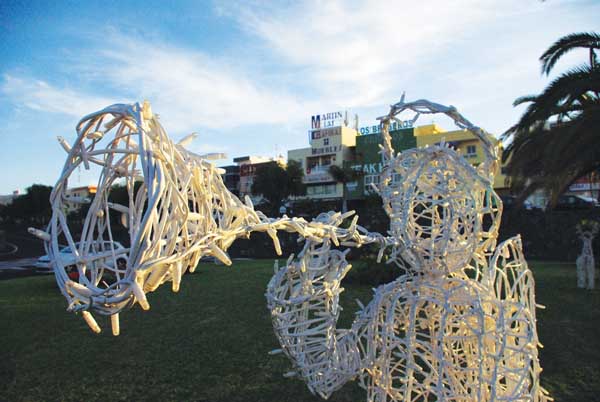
[344, 175]
[589, 40]
[556, 139]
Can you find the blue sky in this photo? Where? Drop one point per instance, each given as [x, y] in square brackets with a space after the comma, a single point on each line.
[246, 76]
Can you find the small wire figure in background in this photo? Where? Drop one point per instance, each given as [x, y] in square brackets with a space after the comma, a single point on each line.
[586, 266]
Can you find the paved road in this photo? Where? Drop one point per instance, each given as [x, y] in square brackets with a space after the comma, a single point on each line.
[19, 268]
[23, 263]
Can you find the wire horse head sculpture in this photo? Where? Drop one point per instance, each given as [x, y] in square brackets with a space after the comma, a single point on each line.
[176, 210]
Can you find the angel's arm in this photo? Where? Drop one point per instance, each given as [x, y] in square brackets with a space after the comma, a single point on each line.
[511, 309]
[303, 298]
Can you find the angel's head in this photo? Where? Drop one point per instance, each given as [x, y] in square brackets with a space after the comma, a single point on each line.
[443, 211]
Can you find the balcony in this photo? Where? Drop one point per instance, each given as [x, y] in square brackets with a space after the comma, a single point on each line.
[317, 174]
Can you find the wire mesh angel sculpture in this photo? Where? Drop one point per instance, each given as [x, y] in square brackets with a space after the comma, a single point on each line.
[460, 326]
[585, 263]
[177, 210]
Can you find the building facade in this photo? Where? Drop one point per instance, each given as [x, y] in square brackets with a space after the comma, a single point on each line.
[333, 143]
[360, 150]
[367, 159]
[239, 178]
[231, 178]
[328, 147]
[8, 198]
[79, 195]
[587, 186]
[463, 141]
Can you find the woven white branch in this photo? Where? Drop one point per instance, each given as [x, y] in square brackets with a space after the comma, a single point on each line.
[181, 212]
[586, 266]
[178, 211]
[459, 327]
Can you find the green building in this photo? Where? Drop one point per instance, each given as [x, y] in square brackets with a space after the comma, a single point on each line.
[368, 159]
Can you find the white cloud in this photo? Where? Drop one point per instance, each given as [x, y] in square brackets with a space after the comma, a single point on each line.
[479, 55]
[40, 96]
[190, 90]
[319, 56]
[371, 49]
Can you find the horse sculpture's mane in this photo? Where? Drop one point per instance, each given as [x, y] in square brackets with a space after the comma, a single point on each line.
[178, 211]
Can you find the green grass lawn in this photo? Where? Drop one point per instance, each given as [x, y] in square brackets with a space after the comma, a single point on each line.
[210, 342]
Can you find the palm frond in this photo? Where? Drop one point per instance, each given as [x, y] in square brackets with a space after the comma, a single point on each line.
[562, 94]
[524, 99]
[588, 40]
[557, 140]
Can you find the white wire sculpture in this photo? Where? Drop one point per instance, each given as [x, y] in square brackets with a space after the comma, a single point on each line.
[178, 211]
[586, 265]
[460, 326]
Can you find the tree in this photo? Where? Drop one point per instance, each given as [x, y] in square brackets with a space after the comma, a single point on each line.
[556, 139]
[295, 176]
[32, 207]
[567, 43]
[344, 175]
[276, 183]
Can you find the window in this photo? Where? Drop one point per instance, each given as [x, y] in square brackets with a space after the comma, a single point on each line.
[311, 164]
[471, 151]
[324, 189]
[371, 179]
[326, 141]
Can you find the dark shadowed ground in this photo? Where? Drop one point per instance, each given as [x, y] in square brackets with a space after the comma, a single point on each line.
[210, 342]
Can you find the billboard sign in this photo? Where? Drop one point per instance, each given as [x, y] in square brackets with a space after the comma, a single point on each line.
[395, 125]
[319, 177]
[326, 120]
[328, 132]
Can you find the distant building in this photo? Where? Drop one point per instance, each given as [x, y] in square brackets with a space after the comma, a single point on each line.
[79, 196]
[8, 198]
[328, 146]
[231, 178]
[463, 141]
[333, 143]
[367, 159]
[587, 186]
[247, 166]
